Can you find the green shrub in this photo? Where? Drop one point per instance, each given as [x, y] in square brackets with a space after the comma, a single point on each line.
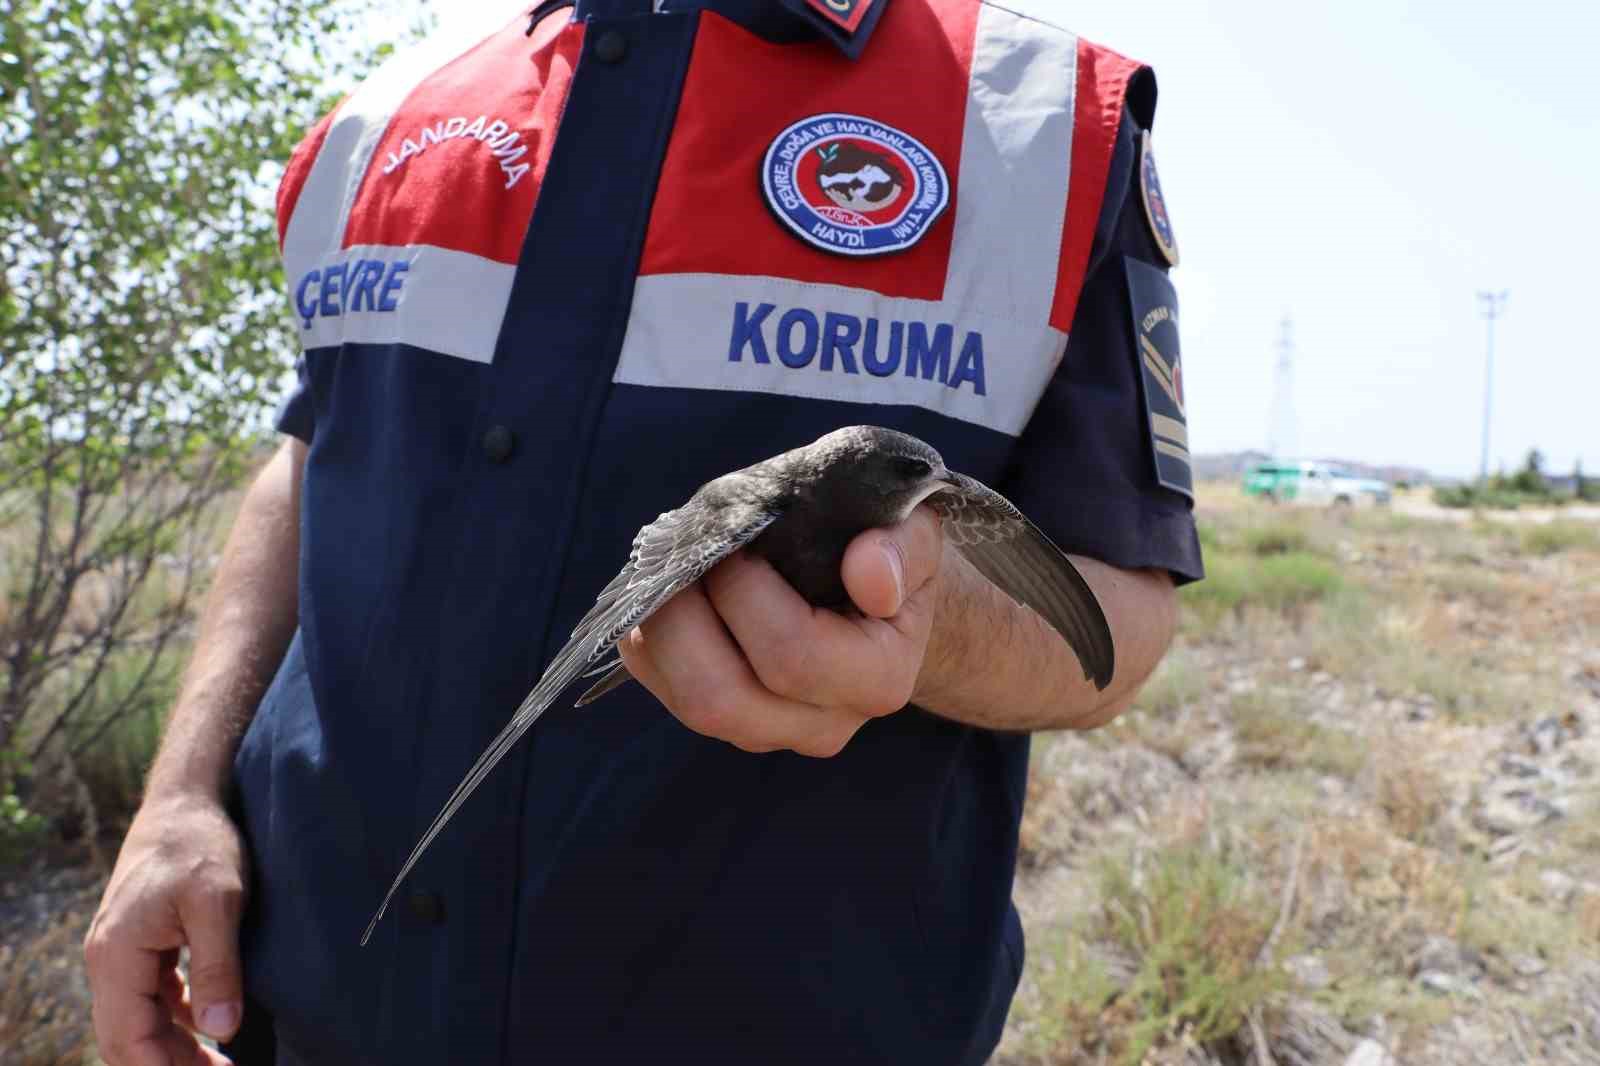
[1276, 538]
[1189, 925]
[1223, 589]
[1495, 496]
[1386, 522]
[1505, 492]
[1284, 581]
[1552, 538]
[1272, 732]
[21, 830]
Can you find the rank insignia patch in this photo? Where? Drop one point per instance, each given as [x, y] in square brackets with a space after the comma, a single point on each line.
[853, 186]
[846, 14]
[1155, 207]
[1155, 333]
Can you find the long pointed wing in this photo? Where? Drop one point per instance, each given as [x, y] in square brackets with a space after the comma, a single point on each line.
[616, 675]
[1012, 552]
[669, 555]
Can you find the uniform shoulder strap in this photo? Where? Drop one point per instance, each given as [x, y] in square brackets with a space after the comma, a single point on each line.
[1106, 82]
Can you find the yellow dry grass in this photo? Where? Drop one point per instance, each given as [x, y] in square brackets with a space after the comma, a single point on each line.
[1411, 708]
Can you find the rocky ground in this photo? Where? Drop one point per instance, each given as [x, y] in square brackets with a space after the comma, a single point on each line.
[1353, 819]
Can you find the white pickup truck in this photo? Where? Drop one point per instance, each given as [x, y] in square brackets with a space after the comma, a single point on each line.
[1313, 484]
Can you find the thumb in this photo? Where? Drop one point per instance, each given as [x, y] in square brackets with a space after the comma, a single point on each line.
[210, 916]
[883, 567]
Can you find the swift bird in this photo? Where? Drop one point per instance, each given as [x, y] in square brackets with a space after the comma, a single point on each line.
[799, 511]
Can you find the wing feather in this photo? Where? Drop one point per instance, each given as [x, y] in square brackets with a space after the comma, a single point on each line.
[1005, 547]
[668, 556]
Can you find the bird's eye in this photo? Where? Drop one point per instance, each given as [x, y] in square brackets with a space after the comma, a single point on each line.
[911, 469]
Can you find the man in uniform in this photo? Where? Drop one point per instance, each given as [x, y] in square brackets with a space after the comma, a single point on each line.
[551, 274]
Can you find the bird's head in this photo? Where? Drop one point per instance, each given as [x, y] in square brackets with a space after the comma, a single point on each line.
[898, 470]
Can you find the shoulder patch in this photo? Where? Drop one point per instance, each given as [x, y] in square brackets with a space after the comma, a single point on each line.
[1155, 207]
[852, 185]
[1155, 337]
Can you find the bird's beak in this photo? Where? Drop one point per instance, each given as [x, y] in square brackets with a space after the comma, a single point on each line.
[935, 484]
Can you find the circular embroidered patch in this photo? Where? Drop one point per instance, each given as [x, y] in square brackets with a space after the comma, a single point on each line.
[849, 185]
[1155, 207]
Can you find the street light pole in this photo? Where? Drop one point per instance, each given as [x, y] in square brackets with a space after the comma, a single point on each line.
[1491, 306]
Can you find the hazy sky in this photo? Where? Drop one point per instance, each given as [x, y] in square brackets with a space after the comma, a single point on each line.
[1365, 168]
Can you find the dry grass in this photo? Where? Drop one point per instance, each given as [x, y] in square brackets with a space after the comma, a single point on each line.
[1413, 708]
[1560, 536]
[1178, 682]
[1274, 732]
[1588, 919]
[1295, 815]
[39, 1025]
[1236, 581]
[1171, 955]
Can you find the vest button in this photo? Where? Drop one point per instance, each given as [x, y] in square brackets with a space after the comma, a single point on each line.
[426, 907]
[498, 443]
[610, 46]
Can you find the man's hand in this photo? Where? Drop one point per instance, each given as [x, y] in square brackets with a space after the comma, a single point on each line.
[180, 877]
[179, 881]
[741, 656]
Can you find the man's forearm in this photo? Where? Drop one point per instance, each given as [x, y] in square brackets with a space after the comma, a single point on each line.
[995, 664]
[248, 620]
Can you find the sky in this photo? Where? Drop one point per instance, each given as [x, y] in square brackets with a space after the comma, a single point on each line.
[1365, 169]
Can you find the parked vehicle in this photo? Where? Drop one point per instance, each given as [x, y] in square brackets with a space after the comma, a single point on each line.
[1313, 484]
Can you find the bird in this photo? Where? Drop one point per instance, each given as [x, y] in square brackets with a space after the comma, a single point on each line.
[799, 511]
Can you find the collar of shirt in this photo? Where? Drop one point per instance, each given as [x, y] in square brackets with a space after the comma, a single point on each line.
[779, 21]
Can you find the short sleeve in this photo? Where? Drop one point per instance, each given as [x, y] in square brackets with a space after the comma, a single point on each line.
[1085, 470]
[296, 413]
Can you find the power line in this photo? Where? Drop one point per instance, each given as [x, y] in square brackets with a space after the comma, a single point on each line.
[1282, 433]
[1491, 305]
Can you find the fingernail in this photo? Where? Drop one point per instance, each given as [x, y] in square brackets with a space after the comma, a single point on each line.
[897, 567]
[220, 1019]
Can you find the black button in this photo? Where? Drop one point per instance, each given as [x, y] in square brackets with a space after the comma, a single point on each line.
[610, 46]
[427, 907]
[498, 443]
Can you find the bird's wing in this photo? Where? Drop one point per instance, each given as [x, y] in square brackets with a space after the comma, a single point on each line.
[669, 555]
[1012, 552]
[616, 675]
